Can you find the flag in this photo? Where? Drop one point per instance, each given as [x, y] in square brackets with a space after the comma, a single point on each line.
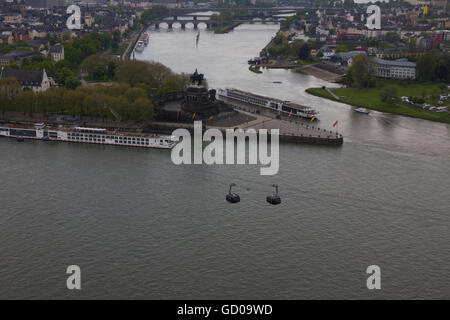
[193, 116]
[313, 118]
[178, 116]
[290, 113]
[335, 124]
[210, 117]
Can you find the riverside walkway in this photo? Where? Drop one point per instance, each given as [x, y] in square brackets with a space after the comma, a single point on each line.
[290, 131]
[332, 93]
[295, 131]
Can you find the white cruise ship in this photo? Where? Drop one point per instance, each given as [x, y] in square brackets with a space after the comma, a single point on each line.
[285, 107]
[87, 135]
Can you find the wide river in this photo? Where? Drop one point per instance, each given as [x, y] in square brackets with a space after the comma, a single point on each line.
[142, 227]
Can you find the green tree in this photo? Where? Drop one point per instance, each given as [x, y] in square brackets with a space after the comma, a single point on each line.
[116, 35]
[442, 69]
[72, 83]
[62, 64]
[12, 65]
[174, 83]
[66, 36]
[425, 67]
[10, 86]
[132, 94]
[24, 102]
[341, 48]
[151, 73]
[100, 72]
[359, 71]
[294, 48]
[111, 70]
[305, 52]
[392, 36]
[64, 74]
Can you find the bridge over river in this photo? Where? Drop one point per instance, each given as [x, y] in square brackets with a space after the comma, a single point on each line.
[208, 21]
[179, 11]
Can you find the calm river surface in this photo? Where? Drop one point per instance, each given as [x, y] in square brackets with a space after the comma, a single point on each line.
[141, 227]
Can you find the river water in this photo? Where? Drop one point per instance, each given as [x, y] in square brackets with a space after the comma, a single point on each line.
[141, 227]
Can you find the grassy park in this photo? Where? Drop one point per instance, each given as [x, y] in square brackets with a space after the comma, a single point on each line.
[375, 98]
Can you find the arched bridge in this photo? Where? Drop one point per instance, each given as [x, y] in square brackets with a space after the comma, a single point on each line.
[196, 20]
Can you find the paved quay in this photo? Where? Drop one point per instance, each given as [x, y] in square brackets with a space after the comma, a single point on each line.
[290, 131]
[295, 131]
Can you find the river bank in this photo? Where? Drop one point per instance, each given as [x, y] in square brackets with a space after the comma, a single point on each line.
[370, 99]
[315, 71]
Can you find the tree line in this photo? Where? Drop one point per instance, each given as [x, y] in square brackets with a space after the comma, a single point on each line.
[95, 102]
[297, 49]
[152, 77]
[134, 84]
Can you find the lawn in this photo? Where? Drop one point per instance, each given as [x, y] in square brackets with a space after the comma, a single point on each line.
[370, 98]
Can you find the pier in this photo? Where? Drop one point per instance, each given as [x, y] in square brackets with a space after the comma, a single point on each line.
[295, 131]
[290, 131]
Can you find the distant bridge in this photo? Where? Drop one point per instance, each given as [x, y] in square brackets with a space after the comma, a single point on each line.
[197, 19]
[179, 11]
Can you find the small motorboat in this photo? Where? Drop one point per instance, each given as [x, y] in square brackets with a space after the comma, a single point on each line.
[20, 139]
[277, 82]
[362, 110]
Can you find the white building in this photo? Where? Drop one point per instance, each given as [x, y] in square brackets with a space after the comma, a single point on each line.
[393, 69]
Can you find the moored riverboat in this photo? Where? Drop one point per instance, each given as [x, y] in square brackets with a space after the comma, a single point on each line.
[145, 37]
[87, 135]
[286, 107]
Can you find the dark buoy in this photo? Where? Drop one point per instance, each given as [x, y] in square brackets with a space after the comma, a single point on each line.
[233, 197]
[274, 198]
[20, 139]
